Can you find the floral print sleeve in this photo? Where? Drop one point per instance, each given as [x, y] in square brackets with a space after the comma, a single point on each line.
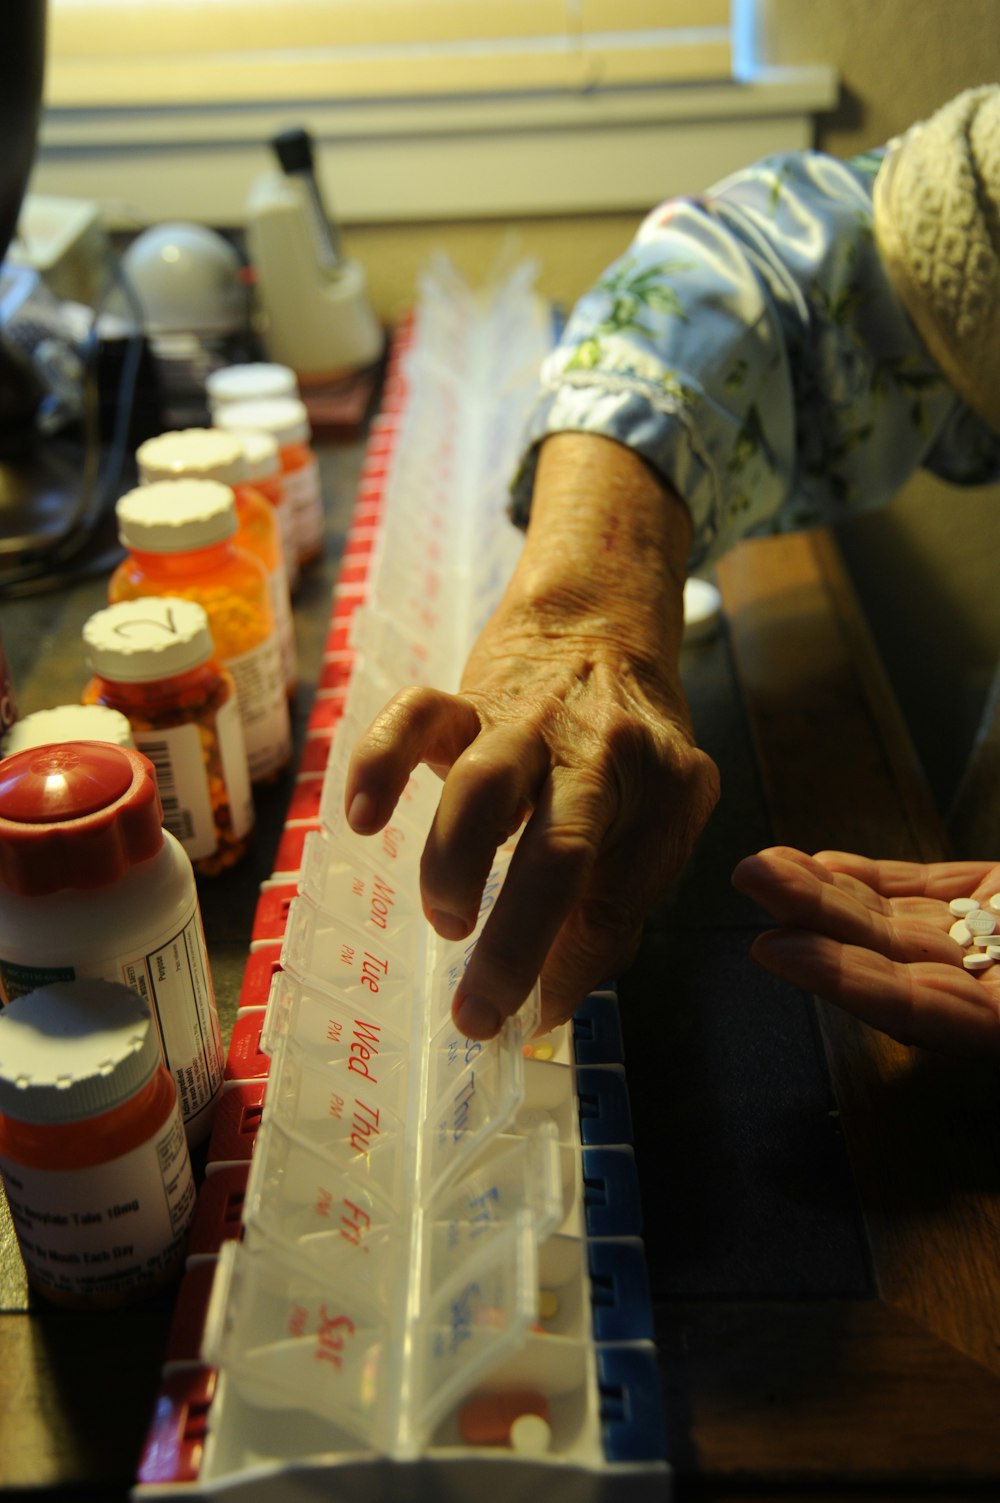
[750, 347]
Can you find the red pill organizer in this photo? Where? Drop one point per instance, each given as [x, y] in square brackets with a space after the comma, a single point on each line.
[92, 1150]
[91, 885]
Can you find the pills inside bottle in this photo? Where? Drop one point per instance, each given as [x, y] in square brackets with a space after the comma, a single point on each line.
[153, 661]
[92, 1150]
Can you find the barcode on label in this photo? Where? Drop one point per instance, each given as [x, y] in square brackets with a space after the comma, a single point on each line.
[176, 818]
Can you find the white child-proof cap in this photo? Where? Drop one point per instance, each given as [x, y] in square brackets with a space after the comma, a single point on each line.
[150, 638]
[69, 723]
[250, 382]
[192, 454]
[286, 418]
[260, 454]
[170, 516]
[73, 1049]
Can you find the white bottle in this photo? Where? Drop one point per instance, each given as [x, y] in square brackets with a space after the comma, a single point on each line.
[91, 885]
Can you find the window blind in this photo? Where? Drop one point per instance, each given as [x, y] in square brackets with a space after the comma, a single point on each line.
[168, 52]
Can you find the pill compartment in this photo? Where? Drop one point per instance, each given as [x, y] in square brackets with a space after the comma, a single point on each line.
[363, 971]
[290, 1340]
[547, 1372]
[321, 1023]
[341, 878]
[416, 1213]
[563, 1288]
[364, 1133]
[300, 1197]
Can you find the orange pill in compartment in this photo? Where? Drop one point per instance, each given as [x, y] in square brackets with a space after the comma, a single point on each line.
[490, 1419]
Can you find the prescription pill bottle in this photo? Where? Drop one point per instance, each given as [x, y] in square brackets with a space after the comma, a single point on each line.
[263, 470]
[253, 381]
[153, 662]
[180, 540]
[69, 723]
[287, 420]
[211, 454]
[91, 885]
[92, 1150]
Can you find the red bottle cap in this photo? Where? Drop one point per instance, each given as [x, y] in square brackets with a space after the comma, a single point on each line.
[77, 814]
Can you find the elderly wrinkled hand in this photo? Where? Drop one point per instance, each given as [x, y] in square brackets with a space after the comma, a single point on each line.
[875, 938]
[561, 735]
[571, 722]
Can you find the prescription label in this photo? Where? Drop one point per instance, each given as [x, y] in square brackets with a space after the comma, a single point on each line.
[235, 771]
[305, 496]
[172, 975]
[260, 689]
[109, 1231]
[174, 978]
[182, 779]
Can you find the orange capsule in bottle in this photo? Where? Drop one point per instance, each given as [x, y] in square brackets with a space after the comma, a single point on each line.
[153, 661]
[287, 420]
[211, 454]
[180, 540]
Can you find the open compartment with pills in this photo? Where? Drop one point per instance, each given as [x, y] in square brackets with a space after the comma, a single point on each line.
[437, 1283]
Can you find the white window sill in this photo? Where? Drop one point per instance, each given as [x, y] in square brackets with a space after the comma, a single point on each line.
[434, 159]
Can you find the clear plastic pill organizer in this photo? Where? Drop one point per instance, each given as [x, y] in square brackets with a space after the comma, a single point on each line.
[416, 1268]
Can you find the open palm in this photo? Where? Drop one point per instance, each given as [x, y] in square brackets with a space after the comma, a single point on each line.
[873, 937]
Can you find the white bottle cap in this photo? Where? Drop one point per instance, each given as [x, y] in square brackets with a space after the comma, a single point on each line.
[250, 383]
[150, 638]
[69, 723]
[171, 516]
[260, 455]
[192, 454]
[284, 417]
[73, 1049]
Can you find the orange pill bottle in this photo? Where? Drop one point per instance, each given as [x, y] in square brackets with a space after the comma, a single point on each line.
[92, 1150]
[287, 420]
[152, 661]
[180, 540]
[263, 471]
[211, 454]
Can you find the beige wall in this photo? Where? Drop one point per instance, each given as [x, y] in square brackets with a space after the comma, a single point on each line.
[930, 590]
[898, 59]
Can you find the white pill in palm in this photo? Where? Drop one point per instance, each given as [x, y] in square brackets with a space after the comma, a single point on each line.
[977, 960]
[980, 923]
[961, 906]
[995, 902]
[993, 951]
[961, 933]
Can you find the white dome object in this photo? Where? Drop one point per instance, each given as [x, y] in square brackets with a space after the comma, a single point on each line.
[188, 279]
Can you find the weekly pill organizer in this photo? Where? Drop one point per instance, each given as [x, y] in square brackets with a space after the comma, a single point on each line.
[416, 1268]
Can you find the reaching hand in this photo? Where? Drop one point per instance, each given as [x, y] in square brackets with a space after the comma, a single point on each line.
[614, 791]
[873, 937]
[571, 721]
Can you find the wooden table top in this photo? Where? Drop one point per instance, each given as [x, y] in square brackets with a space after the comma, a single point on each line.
[860, 1355]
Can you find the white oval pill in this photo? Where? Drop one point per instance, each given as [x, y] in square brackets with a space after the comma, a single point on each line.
[995, 902]
[980, 922]
[993, 951]
[961, 933]
[530, 1435]
[961, 906]
[977, 961]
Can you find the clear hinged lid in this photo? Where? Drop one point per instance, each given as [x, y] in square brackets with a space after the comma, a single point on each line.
[398, 1192]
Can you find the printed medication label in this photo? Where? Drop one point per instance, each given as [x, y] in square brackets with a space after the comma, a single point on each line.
[305, 496]
[174, 978]
[260, 690]
[108, 1230]
[182, 779]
